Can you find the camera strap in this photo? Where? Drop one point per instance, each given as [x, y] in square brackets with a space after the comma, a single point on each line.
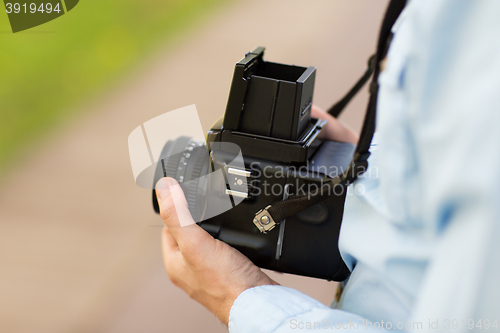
[281, 210]
[337, 109]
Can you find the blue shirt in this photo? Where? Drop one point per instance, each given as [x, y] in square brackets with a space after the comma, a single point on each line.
[423, 239]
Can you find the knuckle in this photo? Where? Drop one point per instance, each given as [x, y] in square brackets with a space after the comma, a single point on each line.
[174, 279]
[175, 270]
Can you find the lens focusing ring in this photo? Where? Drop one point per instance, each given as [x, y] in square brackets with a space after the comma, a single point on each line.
[171, 161]
[193, 190]
[186, 160]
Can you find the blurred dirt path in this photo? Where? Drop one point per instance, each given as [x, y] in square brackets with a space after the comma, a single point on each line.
[79, 243]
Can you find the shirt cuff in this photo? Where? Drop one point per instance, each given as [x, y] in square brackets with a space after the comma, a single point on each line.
[265, 308]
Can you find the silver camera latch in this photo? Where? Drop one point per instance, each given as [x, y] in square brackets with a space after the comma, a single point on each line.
[263, 220]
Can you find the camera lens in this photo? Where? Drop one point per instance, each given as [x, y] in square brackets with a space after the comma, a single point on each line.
[186, 160]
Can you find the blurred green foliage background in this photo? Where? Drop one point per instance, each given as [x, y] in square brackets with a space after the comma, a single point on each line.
[45, 72]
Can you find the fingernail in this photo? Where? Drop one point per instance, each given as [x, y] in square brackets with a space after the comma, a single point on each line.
[163, 188]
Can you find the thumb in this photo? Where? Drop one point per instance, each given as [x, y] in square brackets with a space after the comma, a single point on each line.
[175, 213]
[173, 205]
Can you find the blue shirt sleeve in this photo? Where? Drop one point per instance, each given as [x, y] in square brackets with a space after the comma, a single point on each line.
[280, 309]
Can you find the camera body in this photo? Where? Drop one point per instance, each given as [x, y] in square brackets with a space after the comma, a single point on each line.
[268, 122]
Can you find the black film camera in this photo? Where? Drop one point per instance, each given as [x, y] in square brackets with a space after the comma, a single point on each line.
[268, 126]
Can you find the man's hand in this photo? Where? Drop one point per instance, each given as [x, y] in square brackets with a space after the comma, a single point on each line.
[208, 270]
[335, 130]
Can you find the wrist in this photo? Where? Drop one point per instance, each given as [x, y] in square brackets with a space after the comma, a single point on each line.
[235, 293]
